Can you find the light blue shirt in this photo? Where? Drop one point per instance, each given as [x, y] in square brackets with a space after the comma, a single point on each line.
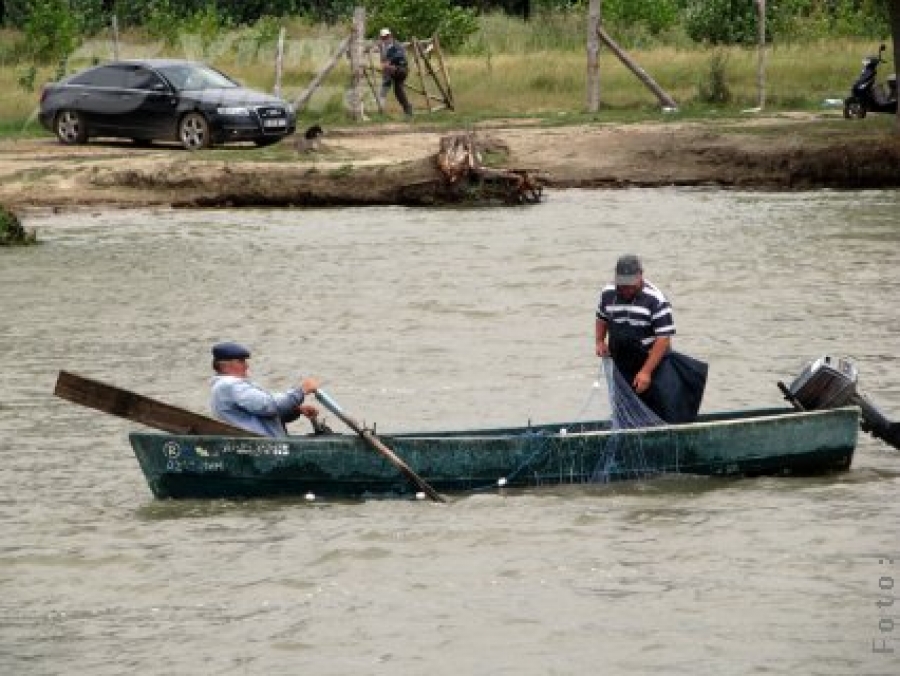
[240, 402]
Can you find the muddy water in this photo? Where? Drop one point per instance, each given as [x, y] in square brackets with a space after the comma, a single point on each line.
[429, 319]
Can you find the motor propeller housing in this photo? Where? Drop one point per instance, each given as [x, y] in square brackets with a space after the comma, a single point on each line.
[829, 382]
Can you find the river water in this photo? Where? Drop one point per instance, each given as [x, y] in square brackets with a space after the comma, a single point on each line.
[429, 319]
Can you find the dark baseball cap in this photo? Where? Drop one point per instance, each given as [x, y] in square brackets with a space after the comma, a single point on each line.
[224, 351]
[628, 270]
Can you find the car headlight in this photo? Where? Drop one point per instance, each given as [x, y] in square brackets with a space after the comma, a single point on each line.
[234, 111]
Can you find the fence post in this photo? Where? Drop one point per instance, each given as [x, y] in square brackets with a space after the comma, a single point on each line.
[593, 52]
[357, 35]
[279, 61]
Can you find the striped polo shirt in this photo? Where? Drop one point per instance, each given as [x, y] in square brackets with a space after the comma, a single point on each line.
[649, 312]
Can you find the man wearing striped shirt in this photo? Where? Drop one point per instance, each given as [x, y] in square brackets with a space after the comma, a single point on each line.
[634, 326]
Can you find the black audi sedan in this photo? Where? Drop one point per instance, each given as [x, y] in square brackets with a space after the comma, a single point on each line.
[162, 99]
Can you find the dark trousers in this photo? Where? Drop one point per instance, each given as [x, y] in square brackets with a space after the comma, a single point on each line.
[397, 80]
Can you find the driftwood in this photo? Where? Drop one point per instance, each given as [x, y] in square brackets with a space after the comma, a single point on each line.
[459, 162]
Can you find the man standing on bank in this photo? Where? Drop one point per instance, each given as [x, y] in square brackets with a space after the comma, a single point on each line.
[394, 70]
[240, 402]
[634, 326]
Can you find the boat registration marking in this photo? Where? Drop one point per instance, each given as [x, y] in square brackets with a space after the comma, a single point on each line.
[256, 448]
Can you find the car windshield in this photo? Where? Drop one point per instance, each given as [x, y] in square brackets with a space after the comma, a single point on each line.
[185, 76]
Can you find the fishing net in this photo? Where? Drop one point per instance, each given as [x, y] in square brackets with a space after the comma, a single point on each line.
[623, 457]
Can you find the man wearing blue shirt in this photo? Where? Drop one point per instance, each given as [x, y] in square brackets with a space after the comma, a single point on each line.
[236, 400]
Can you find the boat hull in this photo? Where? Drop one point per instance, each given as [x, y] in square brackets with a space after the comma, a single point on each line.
[750, 443]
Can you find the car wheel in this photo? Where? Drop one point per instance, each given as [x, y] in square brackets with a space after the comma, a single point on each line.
[193, 130]
[70, 127]
[854, 109]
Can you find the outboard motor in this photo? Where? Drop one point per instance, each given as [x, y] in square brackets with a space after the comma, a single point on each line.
[829, 383]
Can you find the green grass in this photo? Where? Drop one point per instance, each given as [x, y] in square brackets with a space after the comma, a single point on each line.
[509, 69]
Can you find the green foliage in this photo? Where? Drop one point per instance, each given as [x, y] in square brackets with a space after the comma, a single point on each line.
[51, 30]
[656, 16]
[11, 230]
[175, 25]
[735, 21]
[26, 78]
[721, 22]
[422, 19]
[207, 25]
[715, 89]
[810, 19]
[162, 21]
[265, 31]
[91, 17]
[561, 30]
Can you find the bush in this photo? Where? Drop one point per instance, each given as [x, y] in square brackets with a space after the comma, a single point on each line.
[422, 19]
[715, 89]
[11, 230]
[51, 30]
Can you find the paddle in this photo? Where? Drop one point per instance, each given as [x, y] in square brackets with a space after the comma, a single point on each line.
[138, 408]
[378, 446]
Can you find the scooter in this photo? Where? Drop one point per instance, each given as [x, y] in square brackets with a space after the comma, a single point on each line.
[868, 96]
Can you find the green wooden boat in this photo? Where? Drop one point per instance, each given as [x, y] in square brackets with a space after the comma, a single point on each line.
[778, 441]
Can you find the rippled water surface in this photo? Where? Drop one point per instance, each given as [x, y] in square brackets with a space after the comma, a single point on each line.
[428, 319]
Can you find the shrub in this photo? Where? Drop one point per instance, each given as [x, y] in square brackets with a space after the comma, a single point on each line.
[715, 88]
[422, 19]
[51, 30]
[11, 230]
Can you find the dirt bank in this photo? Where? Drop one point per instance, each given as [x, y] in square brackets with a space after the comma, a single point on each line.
[379, 165]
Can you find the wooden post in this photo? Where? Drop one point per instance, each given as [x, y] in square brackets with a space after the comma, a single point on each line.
[666, 100]
[426, 61]
[593, 56]
[307, 93]
[414, 47]
[761, 54]
[357, 33]
[440, 56]
[375, 73]
[279, 61]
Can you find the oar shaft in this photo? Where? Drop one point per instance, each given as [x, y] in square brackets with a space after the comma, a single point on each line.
[378, 445]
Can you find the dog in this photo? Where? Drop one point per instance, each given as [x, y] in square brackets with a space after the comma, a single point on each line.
[309, 141]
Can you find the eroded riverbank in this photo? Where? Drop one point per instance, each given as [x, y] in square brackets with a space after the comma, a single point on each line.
[379, 166]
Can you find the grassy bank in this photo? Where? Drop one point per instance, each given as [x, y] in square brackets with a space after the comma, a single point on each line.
[508, 69]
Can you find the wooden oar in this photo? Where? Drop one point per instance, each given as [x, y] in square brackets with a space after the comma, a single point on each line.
[138, 408]
[378, 446]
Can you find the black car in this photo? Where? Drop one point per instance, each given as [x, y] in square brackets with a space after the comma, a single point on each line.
[160, 99]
